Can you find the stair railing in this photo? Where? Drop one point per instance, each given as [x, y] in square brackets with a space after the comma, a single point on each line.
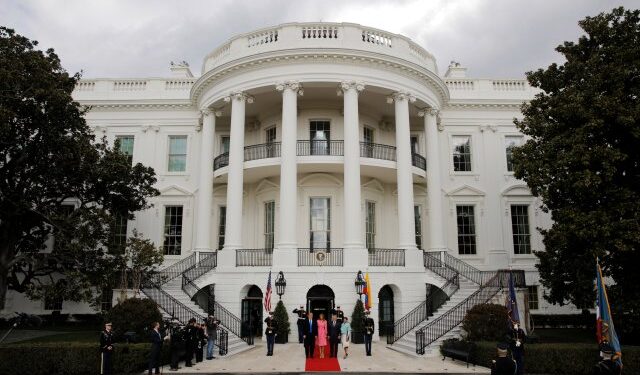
[444, 259]
[438, 327]
[175, 270]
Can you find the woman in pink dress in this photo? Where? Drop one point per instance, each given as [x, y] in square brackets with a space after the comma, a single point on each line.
[322, 334]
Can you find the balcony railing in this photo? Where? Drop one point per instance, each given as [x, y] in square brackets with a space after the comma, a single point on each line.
[331, 257]
[262, 151]
[328, 148]
[377, 151]
[220, 161]
[254, 257]
[419, 161]
[386, 257]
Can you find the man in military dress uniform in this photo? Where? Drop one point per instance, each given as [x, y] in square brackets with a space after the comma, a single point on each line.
[608, 365]
[369, 327]
[503, 365]
[517, 346]
[338, 313]
[301, 317]
[270, 332]
[106, 349]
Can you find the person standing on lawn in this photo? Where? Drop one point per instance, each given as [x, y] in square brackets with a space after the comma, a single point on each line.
[156, 348]
[345, 333]
[106, 349]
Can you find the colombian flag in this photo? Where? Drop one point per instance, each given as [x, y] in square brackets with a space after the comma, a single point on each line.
[605, 331]
[368, 302]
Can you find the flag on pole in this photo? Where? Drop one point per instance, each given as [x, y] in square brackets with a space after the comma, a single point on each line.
[267, 296]
[511, 303]
[367, 292]
[606, 333]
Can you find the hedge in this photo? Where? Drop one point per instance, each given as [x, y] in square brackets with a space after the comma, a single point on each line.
[73, 358]
[570, 359]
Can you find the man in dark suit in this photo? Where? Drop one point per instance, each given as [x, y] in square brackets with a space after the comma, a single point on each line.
[191, 342]
[309, 334]
[156, 348]
[333, 331]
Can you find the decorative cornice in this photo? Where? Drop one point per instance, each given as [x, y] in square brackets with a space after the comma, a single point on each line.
[294, 86]
[428, 111]
[146, 128]
[138, 106]
[489, 105]
[399, 95]
[345, 86]
[240, 96]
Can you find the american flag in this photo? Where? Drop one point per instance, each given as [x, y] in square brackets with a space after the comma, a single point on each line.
[267, 296]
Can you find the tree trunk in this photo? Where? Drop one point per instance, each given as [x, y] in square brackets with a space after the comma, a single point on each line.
[7, 249]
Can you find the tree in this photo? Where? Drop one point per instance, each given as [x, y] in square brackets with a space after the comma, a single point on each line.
[486, 322]
[58, 185]
[282, 319]
[139, 260]
[134, 314]
[582, 159]
[357, 323]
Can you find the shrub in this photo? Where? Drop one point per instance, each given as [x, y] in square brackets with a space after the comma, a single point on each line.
[282, 319]
[486, 322]
[133, 314]
[357, 323]
[570, 359]
[73, 358]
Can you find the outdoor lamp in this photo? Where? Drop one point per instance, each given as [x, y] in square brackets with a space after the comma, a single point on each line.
[360, 283]
[281, 284]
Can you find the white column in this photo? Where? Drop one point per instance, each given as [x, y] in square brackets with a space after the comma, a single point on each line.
[434, 182]
[286, 252]
[353, 241]
[205, 184]
[233, 235]
[406, 224]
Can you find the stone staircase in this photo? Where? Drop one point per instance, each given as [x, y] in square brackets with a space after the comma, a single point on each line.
[407, 344]
[174, 288]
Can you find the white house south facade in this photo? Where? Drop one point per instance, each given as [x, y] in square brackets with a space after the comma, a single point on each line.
[321, 150]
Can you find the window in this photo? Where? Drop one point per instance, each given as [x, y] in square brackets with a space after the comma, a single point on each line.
[222, 223]
[119, 233]
[368, 142]
[414, 145]
[462, 153]
[368, 135]
[532, 297]
[106, 300]
[520, 228]
[509, 143]
[269, 224]
[320, 136]
[370, 224]
[417, 214]
[270, 138]
[466, 230]
[177, 153]
[320, 223]
[52, 302]
[125, 143]
[172, 230]
[224, 144]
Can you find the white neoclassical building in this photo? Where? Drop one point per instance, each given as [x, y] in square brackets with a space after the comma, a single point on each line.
[321, 150]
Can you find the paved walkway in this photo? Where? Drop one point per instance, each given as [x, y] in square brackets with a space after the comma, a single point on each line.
[289, 358]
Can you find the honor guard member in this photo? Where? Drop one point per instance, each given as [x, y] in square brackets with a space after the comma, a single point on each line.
[608, 365]
[338, 313]
[270, 332]
[517, 346]
[369, 327]
[106, 349]
[503, 365]
[302, 315]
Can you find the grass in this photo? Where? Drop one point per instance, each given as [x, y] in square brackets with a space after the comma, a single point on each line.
[77, 336]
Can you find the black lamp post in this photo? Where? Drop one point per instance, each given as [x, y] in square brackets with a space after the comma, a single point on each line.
[281, 284]
[360, 284]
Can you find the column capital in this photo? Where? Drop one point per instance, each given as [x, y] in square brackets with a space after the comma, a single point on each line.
[210, 112]
[294, 86]
[344, 86]
[400, 95]
[240, 96]
[428, 112]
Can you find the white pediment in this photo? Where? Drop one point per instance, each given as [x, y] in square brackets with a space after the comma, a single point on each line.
[175, 190]
[373, 185]
[319, 179]
[465, 191]
[266, 185]
[517, 190]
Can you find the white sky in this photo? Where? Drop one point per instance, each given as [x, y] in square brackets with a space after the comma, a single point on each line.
[138, 38]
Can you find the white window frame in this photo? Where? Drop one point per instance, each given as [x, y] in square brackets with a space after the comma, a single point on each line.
[504, 147]
[476, 227]
[168, 152]
[472, 145]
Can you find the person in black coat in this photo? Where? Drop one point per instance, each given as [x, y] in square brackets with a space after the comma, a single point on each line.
[176, 337]
[503, 365]
[339, 314]
[106, 349]
[301, 317]
[333, 331]
[191, 342]
[517, 338]
[201, 341]
[270, 333]
[156, 347]
[369, 328]
[608, 365]
[309, 334]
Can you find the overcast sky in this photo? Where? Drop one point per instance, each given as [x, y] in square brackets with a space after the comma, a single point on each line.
[138, 38]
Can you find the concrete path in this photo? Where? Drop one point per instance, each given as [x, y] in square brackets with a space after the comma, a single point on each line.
[289, 358]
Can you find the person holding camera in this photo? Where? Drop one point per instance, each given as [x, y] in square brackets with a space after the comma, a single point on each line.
[106, 349]
[212, 333]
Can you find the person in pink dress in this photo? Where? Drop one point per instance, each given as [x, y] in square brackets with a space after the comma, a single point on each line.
[322, 334]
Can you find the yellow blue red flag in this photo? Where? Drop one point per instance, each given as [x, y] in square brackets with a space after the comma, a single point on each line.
[368, 301]
[605, 331]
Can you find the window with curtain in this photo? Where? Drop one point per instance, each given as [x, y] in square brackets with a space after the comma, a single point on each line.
[269, 224]
[466, 229]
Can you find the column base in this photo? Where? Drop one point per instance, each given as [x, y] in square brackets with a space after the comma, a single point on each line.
[285, 256]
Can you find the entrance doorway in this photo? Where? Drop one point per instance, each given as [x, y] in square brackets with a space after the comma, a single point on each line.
[385, 311]
[252, 312]
[320, 299]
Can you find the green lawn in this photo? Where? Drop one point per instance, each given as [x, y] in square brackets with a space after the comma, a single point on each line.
[568, 335]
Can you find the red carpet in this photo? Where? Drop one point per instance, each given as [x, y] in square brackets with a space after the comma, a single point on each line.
[325, 364]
